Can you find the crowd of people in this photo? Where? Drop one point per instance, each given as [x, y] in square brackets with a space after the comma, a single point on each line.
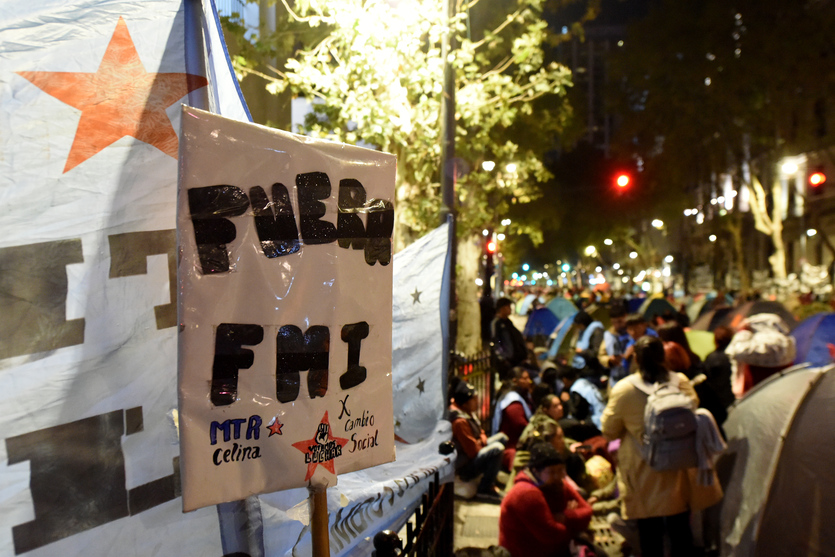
[571, 434]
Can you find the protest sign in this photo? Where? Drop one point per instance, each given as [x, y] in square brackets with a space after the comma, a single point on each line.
[284, 310]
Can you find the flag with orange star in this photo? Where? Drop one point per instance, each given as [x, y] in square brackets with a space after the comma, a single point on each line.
[91, 94]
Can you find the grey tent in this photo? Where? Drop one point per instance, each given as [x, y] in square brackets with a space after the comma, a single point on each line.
[778, 471]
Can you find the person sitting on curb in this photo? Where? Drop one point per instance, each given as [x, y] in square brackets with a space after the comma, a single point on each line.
[542, 514]
[477, 454]
[513, 410]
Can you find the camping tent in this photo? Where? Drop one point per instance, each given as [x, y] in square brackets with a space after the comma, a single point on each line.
[776, 471]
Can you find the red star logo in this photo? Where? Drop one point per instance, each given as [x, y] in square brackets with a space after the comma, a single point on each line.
[275, 428]
[322, 437]
[120, 99]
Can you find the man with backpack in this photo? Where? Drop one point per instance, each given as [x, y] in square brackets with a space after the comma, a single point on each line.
[652, 413]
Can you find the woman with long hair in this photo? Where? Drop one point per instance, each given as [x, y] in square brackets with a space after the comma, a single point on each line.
[658, 500]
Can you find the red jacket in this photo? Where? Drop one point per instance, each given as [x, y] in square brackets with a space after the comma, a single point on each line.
[527, 527]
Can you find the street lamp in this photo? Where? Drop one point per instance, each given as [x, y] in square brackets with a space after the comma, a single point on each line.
[488, 166]
[590, 250]
[633, 255]
[658, 224]
[608, 241]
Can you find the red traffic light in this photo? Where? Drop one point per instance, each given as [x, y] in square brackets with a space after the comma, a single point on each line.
[817, 179]
[491, 247]
[622, 180]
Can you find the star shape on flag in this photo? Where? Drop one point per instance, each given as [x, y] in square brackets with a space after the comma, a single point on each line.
[421, 384]
[324, 439]
[120, 99]
[416, 296]
[275, 427]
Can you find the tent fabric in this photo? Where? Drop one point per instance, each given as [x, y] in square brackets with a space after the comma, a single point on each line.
[735, 318]
[701, 342]
[561, 307]
[559, 335]
[540, 322]
[811, 337]
[754, 427]
[524, 305]
[802, 492]
[711, 319]
[656, 306]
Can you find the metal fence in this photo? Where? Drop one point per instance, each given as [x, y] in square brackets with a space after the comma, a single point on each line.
[428, 531]
[478, 372]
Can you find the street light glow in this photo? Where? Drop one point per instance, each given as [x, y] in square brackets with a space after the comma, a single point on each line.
[658, 223]
[669, 259]
[633, 255]
[789, 167]
[488, 165]
[485, 232]
[479, 282]
[811, 232]
[500, 237]
[608, 241]
[506, 222]
[616, 266]
[712, 237]
[511, 167]
[598, 269]
[525, 267]
[590, 250]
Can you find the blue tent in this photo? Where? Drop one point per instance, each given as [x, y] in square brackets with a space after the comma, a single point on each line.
[561, 307]
[541, 322]
[559, 334]
[812, 336]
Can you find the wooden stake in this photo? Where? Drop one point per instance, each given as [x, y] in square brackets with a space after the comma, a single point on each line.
[319, 521]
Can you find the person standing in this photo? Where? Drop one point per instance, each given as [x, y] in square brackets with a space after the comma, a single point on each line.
[509, 347]
[615, 342]
[657, 499]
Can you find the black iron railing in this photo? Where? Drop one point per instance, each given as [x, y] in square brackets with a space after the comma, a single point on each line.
[478, 372]
[428, 530]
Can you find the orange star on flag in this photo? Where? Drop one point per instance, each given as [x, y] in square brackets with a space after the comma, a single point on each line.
[322, 449]
[120, 99]
[275, 427]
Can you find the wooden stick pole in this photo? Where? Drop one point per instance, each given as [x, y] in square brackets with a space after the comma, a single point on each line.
[319, 521]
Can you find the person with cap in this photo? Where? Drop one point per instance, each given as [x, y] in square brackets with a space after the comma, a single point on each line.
[509, 347]
[760, 348]
[542, 513]
[477, 454]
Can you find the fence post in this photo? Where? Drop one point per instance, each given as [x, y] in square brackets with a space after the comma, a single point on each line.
[387, 544]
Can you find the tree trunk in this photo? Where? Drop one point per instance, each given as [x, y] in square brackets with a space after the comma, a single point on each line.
[469, 312]
[734, 226]
[778, 258]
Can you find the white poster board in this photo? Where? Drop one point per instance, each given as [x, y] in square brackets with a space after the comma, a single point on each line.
[285, 309]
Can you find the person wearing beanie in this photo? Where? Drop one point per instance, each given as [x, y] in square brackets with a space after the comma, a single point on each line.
[477, 454]
[759, 349]
[542, 514]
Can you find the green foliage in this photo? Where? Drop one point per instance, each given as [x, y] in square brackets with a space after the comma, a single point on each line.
[376, 77]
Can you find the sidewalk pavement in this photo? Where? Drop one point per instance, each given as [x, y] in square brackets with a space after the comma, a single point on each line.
[476, 524]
